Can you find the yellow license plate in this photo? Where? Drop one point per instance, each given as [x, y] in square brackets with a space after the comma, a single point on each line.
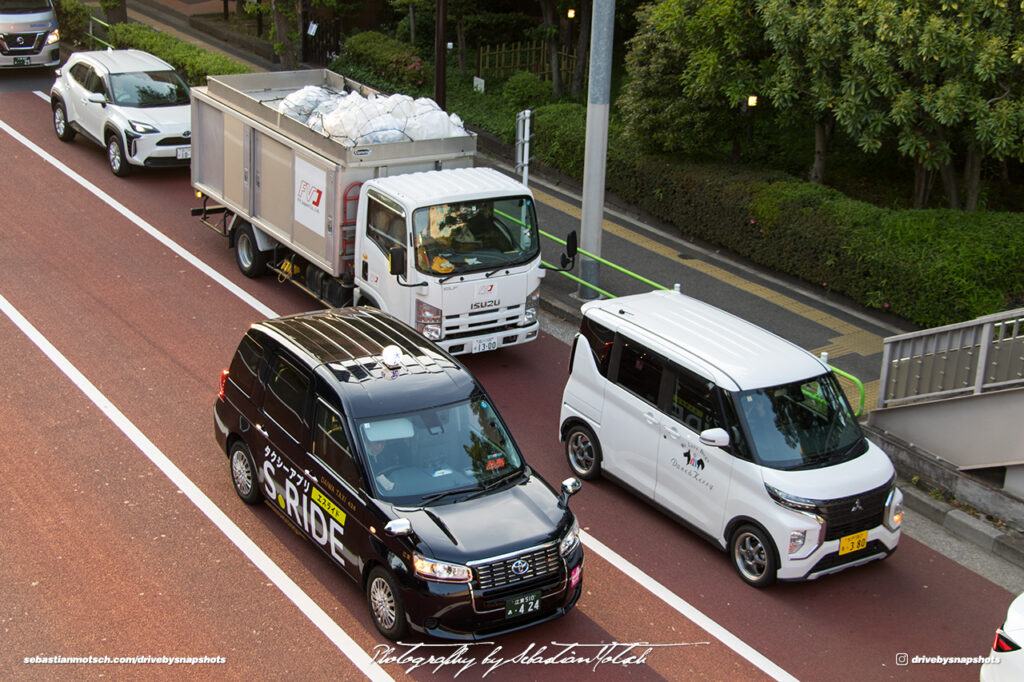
[851, 543]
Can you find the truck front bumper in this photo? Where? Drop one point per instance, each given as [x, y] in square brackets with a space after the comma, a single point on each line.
[491, 340]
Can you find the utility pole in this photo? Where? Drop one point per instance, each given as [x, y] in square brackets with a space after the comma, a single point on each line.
[595, 157]
[440, 55]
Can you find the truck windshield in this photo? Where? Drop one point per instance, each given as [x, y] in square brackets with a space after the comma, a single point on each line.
[803, 425]
[417, 457]
[475, 235]
[148, 89]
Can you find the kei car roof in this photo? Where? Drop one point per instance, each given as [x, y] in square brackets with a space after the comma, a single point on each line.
[689, 330]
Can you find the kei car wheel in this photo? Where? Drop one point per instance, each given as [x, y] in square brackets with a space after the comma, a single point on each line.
[386, 606]
[119, 165]
[243, 474]
[251, 261]
[753, 555]
[60, 122]
[583, 451]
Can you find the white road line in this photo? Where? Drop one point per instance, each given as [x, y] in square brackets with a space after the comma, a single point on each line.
[250, 549]
[141, 224]
[685, 608]
[649, 583]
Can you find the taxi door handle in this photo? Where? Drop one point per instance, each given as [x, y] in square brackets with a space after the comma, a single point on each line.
[310, 476]
[262, 431]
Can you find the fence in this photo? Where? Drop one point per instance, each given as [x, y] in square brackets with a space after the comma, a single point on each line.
[502, 61]
[972, 357]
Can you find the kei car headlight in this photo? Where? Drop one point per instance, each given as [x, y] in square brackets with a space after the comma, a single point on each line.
[140, 127]
[571, 539]
[894, 510]
[432, 569]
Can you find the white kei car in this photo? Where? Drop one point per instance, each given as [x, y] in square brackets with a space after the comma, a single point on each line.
[1007, 647]
[130, 102]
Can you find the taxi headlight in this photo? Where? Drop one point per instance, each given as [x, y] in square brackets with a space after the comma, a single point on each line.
[431, 569]
[571, 539]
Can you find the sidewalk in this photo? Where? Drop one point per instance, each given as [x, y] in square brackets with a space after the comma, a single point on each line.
[183, 19]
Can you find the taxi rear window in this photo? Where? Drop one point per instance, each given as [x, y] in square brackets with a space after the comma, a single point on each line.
[245, 365]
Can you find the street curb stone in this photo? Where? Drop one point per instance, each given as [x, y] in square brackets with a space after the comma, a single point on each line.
[964, 525]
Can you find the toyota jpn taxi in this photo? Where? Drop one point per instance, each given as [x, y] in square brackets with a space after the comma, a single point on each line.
[389, 456]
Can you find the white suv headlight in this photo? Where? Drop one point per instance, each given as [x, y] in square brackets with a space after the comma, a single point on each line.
[140, 127]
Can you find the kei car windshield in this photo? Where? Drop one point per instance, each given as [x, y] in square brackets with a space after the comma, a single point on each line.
[419, 457]
[804, 425]
[475, 235]
[148, 89]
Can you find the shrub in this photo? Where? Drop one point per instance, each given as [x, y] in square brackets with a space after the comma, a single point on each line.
[192, 62]
[526, 90]
[395, 61]
[73, 19]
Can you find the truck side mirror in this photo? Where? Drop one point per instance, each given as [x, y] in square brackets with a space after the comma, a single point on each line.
[571, 247]
[396, 260]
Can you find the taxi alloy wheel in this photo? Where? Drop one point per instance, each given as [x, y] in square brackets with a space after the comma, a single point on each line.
[753, 556]
[243, 474]
[385, 601]
[583, 452]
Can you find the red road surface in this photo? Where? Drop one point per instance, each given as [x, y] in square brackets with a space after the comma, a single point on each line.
[102, 555]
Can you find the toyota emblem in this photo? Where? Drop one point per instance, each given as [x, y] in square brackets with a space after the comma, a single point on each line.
[520, 567]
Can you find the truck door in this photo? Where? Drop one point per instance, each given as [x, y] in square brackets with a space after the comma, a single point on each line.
[385, 225]
[693, 478]
[631, 420]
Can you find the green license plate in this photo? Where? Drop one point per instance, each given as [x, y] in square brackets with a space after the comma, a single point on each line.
[522, 605]
[22, 61]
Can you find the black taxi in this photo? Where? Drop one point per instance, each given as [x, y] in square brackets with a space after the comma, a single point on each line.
[390, 457]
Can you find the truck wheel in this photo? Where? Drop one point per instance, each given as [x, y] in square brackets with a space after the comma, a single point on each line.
[60, 122]
[119, 165]
[753, 555]
[243, 473]
[251, 261]
[583, 451]
[386, 607]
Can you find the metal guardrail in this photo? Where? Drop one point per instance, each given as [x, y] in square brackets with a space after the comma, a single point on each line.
[95, 39]
[618, 268]
[966, 358]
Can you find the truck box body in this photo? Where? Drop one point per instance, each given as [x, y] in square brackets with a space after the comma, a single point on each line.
[305, 192]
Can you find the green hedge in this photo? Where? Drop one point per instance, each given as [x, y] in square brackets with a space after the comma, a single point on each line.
[396, 62]
[192, 62]
[73, 19]
[930, 267]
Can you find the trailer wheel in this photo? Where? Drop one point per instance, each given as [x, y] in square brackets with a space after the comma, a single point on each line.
[251, 261]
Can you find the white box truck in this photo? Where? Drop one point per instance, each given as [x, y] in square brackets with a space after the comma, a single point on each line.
[408, 226]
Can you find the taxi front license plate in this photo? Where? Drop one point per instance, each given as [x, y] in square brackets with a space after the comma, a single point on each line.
[22, 61]
[184, 152]
[522, 605]
[851, 543]
[485, 344]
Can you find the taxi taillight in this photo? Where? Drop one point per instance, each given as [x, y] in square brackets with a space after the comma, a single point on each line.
[223, 382]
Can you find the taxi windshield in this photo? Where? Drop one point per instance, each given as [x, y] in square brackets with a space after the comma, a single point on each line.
[439, 453]
[451, 239]
[803, 425]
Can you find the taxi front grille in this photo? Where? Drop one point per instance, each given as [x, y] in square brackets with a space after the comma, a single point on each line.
[517, 569]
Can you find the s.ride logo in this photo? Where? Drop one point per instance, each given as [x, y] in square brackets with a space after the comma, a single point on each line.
[321, 519]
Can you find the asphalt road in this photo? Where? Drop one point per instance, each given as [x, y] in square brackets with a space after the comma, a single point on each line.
[122, 535]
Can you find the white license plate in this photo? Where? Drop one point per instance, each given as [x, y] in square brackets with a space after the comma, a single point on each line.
[184, 152]
[22, 61]
[485, 344]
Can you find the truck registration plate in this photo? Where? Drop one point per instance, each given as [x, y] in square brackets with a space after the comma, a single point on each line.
[22, 61]
[485, 344]
[851, 543]
[184, 152]
[522, 605]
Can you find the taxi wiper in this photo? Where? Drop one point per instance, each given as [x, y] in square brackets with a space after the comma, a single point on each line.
[427, 499]
[491, 485]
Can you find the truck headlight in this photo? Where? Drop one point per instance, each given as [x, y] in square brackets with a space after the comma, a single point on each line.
[440, 570]
[53, 37]
[428, 320]
[894, 510]
[571, 539]
[532, 301]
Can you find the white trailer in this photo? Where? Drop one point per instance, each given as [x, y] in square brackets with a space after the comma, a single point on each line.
[410, 227]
